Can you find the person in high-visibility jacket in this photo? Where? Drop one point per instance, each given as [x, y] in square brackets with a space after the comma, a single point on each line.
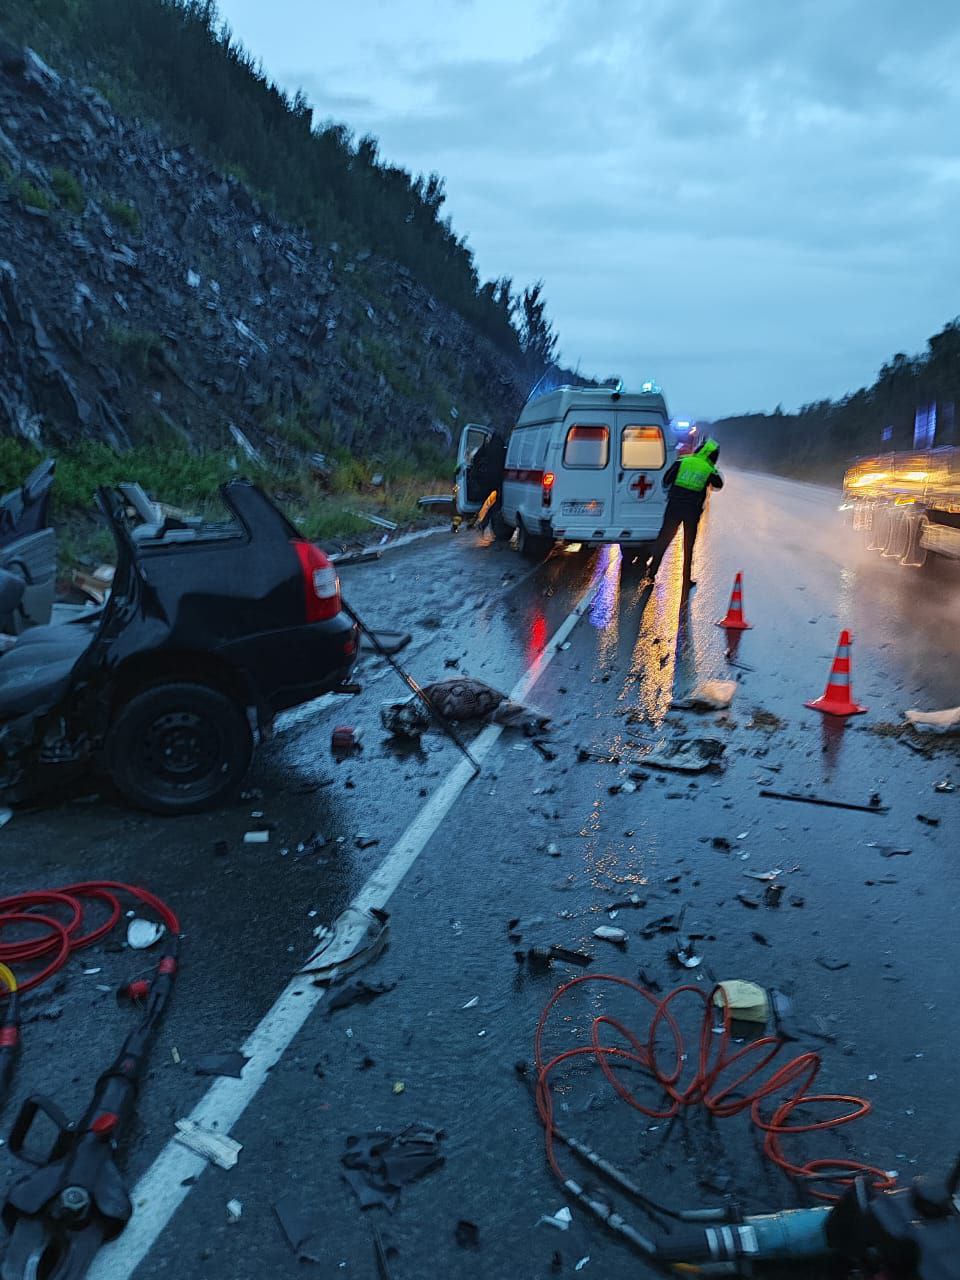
[688, 480]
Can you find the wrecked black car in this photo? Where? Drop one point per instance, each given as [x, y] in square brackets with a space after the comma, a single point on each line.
[210, 629]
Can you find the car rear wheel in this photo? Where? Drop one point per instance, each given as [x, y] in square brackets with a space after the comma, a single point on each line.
[177, 748]
[502, 531]
[530, 547]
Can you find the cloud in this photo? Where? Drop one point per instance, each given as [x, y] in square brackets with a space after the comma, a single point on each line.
[759, 189]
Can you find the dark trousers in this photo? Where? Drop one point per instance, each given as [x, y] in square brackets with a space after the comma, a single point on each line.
[677, 514]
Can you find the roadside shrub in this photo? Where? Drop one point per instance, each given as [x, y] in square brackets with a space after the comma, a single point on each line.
[122, 213]
[32, 196]
[68, 190]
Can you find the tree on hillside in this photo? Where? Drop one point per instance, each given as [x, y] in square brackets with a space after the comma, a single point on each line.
[538, 341]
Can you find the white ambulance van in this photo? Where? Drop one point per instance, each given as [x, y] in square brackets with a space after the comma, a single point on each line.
[583, 464]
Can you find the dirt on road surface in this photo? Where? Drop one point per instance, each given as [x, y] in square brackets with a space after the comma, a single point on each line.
[863, 938]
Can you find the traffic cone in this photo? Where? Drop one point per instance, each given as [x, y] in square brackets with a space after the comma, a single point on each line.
[735, 621]
[837, 698]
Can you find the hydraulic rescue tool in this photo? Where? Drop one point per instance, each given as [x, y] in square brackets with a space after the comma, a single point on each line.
[74, 1200]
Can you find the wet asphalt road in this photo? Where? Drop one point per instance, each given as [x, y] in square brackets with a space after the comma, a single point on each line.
[883, 1022]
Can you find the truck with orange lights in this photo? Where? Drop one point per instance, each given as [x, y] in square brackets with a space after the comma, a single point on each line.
[907, 504]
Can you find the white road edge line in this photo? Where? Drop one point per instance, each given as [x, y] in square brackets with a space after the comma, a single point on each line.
[165, 1185]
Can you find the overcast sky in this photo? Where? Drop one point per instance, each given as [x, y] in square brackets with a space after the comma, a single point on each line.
[752, 201]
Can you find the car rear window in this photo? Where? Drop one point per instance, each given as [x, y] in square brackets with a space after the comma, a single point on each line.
[642, 448]
[587, 447]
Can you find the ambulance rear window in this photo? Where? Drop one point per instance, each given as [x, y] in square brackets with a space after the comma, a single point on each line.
[587, 447]
[641, 448]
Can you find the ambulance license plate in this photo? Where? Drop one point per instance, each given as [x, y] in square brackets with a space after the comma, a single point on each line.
[591, 508]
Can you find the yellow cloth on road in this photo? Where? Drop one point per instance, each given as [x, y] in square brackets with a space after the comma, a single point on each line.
[747, 1001]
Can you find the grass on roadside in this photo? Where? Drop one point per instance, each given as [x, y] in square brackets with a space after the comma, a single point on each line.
[191, 481]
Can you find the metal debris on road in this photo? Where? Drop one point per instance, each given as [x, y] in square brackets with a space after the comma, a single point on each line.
[354, 938]
[889, 850]
[945, 787]
[216, 1147]
[377, 1165]
[579, 958]
[763, 875]
[689, 755]
[357, 991]
[221, 1064]
[143, 933]
[471, 1003]
[822, 800]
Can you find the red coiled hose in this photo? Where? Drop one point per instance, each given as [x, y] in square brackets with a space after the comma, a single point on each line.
[60, 935]
[710, 1085]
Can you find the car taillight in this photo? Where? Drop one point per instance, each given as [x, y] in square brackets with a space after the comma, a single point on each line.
[321, 586]
[547, 487]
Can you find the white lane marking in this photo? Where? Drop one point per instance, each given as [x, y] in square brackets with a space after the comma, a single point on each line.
[161, 1190]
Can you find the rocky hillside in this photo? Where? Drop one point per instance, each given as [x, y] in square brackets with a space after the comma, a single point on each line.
[146, 298]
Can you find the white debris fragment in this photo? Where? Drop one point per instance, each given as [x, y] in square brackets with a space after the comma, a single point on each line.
[561, 1219]
[193, 280]
[143, 933]
[610, 934]
[256, 837]
[5, 816]
[940, 721]
[472, 1003]
[582, 1263]
[215, 1147]
[234, 1210]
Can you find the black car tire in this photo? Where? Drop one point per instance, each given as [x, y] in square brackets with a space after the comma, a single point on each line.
[530, 546]
[502, 531]
[178, 748]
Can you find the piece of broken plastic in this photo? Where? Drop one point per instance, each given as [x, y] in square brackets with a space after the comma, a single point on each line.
[406, 719]
[234, 1211]
[143, 933]
[356, 991]
[356, 936]
[221, 1064]
[216, 1147]
[691, 755]
[561, 1219]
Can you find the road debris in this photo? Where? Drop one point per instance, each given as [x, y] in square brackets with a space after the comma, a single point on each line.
[216, 1147]
[357, 991]
[377, 1165]
[709, 695]
[889, 850]
[772, 894]
[946, 721]
[354, 938]
[5, 816]
[927, 820]
[945, 786]
[822, 800]
[234, 1211]
[561, 1219]
[467, 1234]
[766, 720]
[747, 1001]
[609, 933]
[143, 933]
[345, 740]
[256, 837]
[832, 963]
[221, 1064]
[748, 900]
[299, 1226]
[471, 1003]
[763, 875]
[689, 755]
[579, 958]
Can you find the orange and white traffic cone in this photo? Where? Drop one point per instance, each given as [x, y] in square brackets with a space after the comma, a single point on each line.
[837, 698]
[735, 621]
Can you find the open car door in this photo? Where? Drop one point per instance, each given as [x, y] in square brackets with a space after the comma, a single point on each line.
[28, 551]
[467, 495]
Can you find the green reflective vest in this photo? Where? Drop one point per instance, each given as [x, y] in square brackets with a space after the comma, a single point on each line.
[694, 472]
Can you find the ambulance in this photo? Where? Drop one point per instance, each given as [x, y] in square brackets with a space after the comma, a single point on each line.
[582, 464]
